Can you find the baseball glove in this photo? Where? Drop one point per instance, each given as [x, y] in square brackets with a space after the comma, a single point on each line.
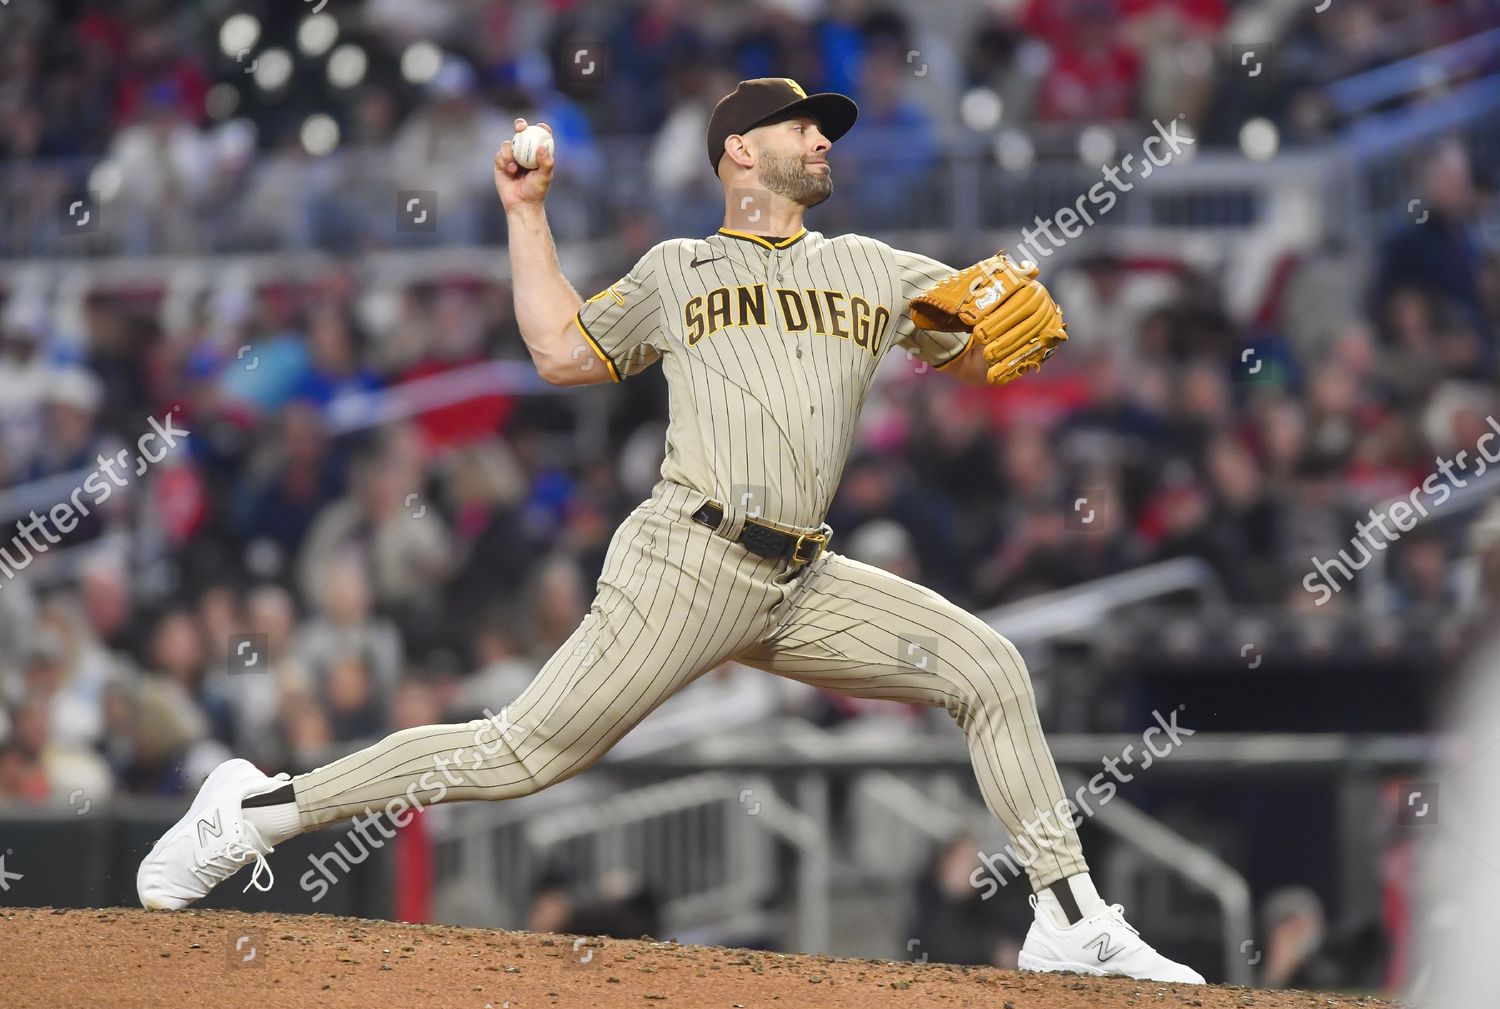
[1004, 306]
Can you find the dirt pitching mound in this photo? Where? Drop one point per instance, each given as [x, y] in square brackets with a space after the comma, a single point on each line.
[127, 958]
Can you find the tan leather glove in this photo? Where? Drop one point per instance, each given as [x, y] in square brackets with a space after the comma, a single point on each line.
[1004, 306]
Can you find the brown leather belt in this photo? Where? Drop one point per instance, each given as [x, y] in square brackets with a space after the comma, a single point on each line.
[766, 540]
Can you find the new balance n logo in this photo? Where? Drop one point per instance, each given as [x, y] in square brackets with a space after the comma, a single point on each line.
[1105, 951]
[209, 828]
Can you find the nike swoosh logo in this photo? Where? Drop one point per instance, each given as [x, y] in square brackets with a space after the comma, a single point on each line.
[704, 262]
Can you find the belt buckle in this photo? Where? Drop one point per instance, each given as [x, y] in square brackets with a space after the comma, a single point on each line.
[819, 539]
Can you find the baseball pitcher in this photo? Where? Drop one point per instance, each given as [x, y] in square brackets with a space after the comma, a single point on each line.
[769, 336]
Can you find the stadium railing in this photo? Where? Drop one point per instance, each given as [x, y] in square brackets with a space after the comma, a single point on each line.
[811, 777]
[960, 193]
[702, 844]
[1214, 210]
[667, 811]
[1380, 158]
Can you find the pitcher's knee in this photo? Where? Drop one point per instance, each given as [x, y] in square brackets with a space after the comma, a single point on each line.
[991, 684]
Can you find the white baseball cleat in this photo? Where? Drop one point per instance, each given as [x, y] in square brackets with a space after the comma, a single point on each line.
[1102, 943]
[210, 843]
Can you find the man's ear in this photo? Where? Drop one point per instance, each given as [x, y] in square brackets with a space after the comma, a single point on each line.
[738, 150]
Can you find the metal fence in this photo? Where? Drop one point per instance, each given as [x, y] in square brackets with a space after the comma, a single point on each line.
[351, 202]
[709, 828]
[703, 831]
[1378, 166]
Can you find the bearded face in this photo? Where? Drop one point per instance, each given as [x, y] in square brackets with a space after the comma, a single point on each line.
[795, 175]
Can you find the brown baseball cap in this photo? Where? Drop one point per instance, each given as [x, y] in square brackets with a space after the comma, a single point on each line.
[766, 99]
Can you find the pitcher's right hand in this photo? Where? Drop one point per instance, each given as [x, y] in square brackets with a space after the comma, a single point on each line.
[517, 185]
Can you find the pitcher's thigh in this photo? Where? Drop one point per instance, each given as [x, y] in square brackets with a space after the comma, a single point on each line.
[614, 670]
[862, 631]
[670, 607]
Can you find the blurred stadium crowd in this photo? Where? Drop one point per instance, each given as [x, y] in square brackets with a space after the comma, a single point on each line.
[398, 574]
[385, 565]
[210, 125]
[77, 74]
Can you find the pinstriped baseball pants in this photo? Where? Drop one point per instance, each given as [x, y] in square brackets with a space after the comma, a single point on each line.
[674, 601]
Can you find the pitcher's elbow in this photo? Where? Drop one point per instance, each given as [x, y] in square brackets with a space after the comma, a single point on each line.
[563, 371]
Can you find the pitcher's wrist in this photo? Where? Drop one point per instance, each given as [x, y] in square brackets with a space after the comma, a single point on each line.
[526, 212]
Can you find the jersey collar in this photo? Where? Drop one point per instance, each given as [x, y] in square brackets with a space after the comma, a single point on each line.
[764, 242]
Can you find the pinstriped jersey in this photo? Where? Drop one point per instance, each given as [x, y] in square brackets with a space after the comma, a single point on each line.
[769, 350]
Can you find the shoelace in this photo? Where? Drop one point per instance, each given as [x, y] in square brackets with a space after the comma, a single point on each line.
[245, 851]
[235, 855]
[1117, 911]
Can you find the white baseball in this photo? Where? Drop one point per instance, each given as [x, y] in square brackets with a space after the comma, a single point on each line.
[527, 145]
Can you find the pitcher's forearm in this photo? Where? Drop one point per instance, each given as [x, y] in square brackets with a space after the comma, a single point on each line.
[545, 301]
